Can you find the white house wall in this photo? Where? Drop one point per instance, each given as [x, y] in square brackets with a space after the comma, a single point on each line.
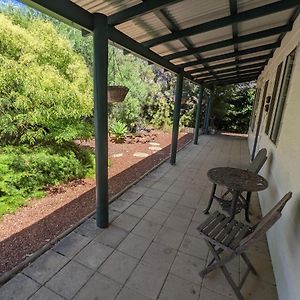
[282, 170]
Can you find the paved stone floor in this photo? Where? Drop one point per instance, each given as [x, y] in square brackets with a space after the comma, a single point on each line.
[151, 249]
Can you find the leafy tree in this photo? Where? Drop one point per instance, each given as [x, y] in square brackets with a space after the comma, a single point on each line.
[45, 88]
[232, 106]
[45, 103]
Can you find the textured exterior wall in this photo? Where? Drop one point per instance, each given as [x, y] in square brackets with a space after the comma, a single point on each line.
[282, 170]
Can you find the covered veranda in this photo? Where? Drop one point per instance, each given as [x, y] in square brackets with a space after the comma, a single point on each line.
[207, 42]
[151, 250]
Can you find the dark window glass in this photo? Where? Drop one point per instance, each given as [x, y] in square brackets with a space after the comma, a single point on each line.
[282, 95]
[254, 109]
[273, 99]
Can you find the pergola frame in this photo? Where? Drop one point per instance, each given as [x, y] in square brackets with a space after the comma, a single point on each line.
[103, 29]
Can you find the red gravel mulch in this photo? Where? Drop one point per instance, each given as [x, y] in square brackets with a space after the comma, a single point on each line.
[32, 226]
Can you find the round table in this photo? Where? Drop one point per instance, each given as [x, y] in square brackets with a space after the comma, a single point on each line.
[237, 181]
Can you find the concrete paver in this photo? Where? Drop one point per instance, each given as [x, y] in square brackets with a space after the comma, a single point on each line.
[93, 255]
[134, 245]
[45, 266]
[71, 244]
[118, 266]
[152, 249]
[20, 287]
[69, 280]
[99, 287]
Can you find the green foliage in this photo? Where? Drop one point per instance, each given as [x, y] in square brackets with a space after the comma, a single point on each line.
[132, 72]
[45, 87]
[118, 131]
[128, 112]
[24, 171]
[188, 114]
[45, 100]
[161, 113]
[232, 106]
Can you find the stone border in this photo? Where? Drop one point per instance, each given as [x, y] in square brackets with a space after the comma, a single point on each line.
[10, 274]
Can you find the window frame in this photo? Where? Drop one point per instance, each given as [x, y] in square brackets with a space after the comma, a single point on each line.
[254, 109]
[282, 96]
[275, 93]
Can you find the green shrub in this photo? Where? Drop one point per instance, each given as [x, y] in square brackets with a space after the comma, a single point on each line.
[45, 87]
[128, 112]
[25, 172]
[118, 131]
[161, 113]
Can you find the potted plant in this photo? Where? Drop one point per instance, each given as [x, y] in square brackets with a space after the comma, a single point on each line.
[116, 93]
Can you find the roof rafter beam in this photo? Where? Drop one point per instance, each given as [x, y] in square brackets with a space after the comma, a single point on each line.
[225, 21]
[241, 68]
[231, 54]
[232, 63]
[226, 80]
[230, 42]
[234, 72]
[70, 13]
[169, 23]
[138, 10]
[128, 43]
[233, 13]
[233, 81]
[65, 11]
[254, 74]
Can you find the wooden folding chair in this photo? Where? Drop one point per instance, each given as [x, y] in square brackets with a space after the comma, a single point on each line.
[233, 238]
[255, 166]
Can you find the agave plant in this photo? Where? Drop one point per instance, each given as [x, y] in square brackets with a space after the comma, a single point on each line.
[118, 131]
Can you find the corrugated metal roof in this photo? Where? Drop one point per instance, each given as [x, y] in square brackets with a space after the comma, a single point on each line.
[106, 7]
[256, 43]
[193, 12]
[189, 13]
[144, 28]
[244, 5]
[265, 22]
[211, 36]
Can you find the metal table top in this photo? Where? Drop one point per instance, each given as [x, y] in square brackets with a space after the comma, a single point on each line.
[237, 179]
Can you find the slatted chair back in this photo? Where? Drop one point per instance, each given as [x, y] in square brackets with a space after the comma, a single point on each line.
[258, 161]
[265, 224]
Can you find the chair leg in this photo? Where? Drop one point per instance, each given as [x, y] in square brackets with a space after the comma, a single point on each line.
[219, 251]
[248, 263]
[213, 191]
[232, 283]
[235, 198]
[214, 264]
[227, 275]
[247, 204]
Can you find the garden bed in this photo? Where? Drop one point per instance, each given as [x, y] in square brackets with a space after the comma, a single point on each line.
[32, 226]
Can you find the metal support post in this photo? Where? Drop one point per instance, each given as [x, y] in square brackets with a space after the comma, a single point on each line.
[198, 116]
[176, 117]
[207, 114]
[100, 115]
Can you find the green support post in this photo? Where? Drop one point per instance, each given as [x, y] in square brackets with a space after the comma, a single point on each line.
[198, 116]
[176, 117]
[207, 114]
[100, 115]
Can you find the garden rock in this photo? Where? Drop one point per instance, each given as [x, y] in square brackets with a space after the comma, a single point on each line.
[117, 155]
[155, 148]
[141, 154]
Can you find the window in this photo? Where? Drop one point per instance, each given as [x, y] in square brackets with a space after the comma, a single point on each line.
[254, 109]
[282, 96]
[273, 99]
